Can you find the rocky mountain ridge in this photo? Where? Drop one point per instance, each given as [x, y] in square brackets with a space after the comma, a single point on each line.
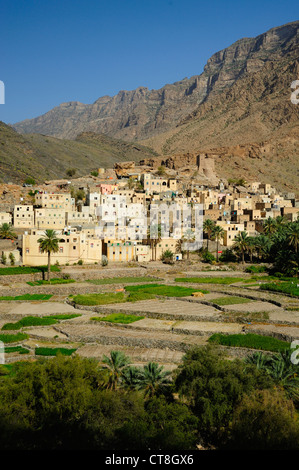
[144, 113]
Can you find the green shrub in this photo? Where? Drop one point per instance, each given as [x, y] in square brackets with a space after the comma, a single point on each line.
[13, 338]
[54, 351]
[256, 269]
[121, 280]
[27, 297]
[29, 321]
[160, 289]
[210, 280]
[291, 288]
[99, 299]
[231, 300]
[228, 256]
[119, 318]
[249, 340]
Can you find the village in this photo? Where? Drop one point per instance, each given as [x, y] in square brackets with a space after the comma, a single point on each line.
[111, 214]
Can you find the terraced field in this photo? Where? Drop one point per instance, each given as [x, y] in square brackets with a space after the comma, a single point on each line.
[170, 324]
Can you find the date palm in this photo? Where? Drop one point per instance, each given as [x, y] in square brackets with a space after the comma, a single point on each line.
[293, 236]
[116, 365]
[241, 243]
[208, 226]
[6, 232]
[131, 378]
[269, 226]
[217, 234]
[154, 379]
[49, 244]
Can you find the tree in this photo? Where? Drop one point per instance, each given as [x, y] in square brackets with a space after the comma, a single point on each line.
[269, 226]
[3, 258]
[71, 172]
[265, 420]
[281, 369]
[293, 236]
[188, 237]
[213, 386]
[49, 244]
[217, 234]
[208, 227]
[241, 244]
[131, 378]
[161, 170]
[154, 379]
[6, 232]
[12, 258]
[154, 234]
[116, 365]
[167, 257]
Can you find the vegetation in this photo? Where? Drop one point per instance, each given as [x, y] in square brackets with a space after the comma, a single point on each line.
[249, 340]
[121, 280]
[51, 282]
[167, 257]
[49, 244]
[10, 271]
[160, 289]
[104, 261]
[54, 351]
[77, 403]
[27, 297]
[231, 300]
[217, 235]
[7, 338]
[119, 318]
[210, 280]
[290, 288]
[208, 227]
[6, 232]
[16, 349]
[99, 299]
[29, 321]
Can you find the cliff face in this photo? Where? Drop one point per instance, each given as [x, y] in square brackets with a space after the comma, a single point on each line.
[143, 113]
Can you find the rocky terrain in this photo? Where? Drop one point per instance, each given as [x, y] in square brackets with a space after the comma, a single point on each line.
[44, 157]
[142, 112]
[238, 111]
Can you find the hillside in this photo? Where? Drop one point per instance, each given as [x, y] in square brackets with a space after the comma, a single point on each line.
[143, 113]
[251, 128]
[44, 157]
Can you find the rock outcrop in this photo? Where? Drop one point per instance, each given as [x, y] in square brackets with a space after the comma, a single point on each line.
[141, 113]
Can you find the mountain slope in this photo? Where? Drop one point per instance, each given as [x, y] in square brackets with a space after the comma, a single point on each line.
[44, 157]
[142, 113]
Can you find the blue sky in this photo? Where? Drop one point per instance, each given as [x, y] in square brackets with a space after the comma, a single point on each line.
[53, 51]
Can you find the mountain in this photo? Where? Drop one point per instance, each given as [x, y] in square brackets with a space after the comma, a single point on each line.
[44, 157]
[143, 113]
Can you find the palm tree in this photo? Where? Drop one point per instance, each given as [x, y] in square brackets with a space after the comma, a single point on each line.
[269, 226]
[167, 257]
[154, 235]
[281, 370]
[131, 378]
[154, 379]
[49, 244]
[293, 236]
[263, 245]
[217, 234]
[6, 232]
[241, 244]
[116, 365]
[208, 226]
[188, 237]
[251, 247]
